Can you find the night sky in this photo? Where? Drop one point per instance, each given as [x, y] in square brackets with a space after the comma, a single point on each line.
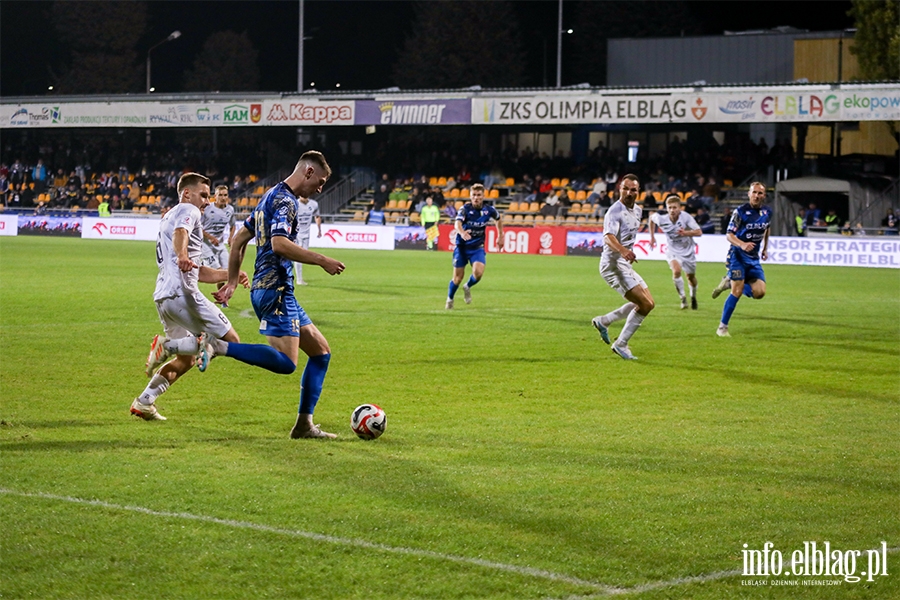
[353, 43]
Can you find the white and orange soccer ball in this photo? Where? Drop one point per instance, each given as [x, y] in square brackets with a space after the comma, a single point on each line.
[368, 421]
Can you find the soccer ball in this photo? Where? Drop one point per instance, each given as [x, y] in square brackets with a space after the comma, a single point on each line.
[368, 421]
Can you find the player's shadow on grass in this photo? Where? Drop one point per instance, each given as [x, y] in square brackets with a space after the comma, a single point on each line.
[834, 324]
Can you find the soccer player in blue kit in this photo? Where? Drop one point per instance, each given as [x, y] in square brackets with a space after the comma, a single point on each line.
[471, 222]
[274, 225]
[748, 234]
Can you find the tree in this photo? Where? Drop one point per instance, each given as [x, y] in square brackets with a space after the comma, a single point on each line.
[227, 63]
[103, 56]
[876, 44]
[461, 44]
[618, 19]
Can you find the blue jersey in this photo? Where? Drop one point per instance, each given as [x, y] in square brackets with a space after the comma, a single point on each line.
[475, 220]
[276, 214]
[749, 224]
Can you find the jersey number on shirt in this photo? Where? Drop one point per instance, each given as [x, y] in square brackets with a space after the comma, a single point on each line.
[260, 219]
[159, 257]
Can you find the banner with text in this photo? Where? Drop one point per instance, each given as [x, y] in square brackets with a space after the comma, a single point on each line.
[516, 240]
[120, 229]
[365, 237]
[412, 112]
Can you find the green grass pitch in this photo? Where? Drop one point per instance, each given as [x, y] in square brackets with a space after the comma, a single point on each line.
[522, 459]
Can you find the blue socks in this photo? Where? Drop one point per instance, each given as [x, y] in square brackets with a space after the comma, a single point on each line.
[451, 291]
[311, 383]
[748, 291]
[730, 305]
[261, 355]
[472, 281]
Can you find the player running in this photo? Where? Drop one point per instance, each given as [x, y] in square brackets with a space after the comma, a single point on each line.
[218, 229]
[747, 230]
[620, 227]
[307, 212]
[470, 224]
[679, 228]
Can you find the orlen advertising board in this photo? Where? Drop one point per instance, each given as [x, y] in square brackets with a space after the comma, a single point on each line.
[516, 240]
[9, 225]
[119, 229]
[362, 237]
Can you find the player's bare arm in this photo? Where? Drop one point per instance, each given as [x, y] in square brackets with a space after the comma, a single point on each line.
[180, 245]
[652, 231]
[499, 234]
[210, 275]
[287, 249]
[765, 246]
[235, 260]
[735, 241]
[610, 240]
[461, 231]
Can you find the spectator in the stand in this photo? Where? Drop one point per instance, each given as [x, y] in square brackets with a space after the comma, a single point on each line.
[551, 204]
[832, 221]
[813, 216]
[859, 229]
[4, 188]
[39, 176]
[704, 221]
[375, 216]
[449, 210]
[890, 222]
[494, 177]
[800, 223]
[103, 208]
[438, 196]
[237, 186]
[847, 228]
[611, 177]
[451, 184]
[17, 173]
[14, 198]
[598, 192]
[421, 187]
[380, 197]
[59, 182]
[710, 193]
[73, 196]
[693, 204]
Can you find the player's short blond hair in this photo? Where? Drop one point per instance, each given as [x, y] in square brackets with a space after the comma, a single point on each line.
[477, 187]
[190, 180]
[317, 158]
[673, 199]
[221, 187]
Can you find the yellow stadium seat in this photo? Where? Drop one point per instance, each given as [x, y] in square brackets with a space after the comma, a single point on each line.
[506, 218]
[464, 193]
[391, 204]
[513, 206]
[415, 218]
[534, 207]
[580, 195]
[359, 216]
[570, 194]
[528, 220]
[575, 208]
[564, 182]
[432, 181]
[454, 193]
[555, 182]
[494, 194]
[459, 204]
[539, 220]
[442, 181]
[510, 182]
[518, 219]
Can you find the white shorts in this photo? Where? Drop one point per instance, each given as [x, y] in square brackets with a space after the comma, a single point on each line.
[620, 275]
[688, 264]
[303, 241]
[194, 314]
[214, 258]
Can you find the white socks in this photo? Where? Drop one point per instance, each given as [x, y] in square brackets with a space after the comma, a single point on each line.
[631, 325]
[679, 285]
[185, 345]
[618, 314]
[299, 267]
[156, 388]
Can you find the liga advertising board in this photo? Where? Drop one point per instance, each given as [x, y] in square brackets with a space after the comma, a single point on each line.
[516, 240]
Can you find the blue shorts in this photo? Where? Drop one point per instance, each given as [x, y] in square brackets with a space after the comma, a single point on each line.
[278, 312]
[746, 269]
[461, 256]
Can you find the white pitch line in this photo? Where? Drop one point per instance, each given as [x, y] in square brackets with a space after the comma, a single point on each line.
[528, 571]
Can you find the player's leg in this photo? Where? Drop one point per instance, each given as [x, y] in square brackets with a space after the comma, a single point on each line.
[459, 271]
[144, 405]
[689, 266]
[221, 263]
[477, 259]
[677, 279]
[614, 278]
[316, 347]
[737, 288]
[276, 320]
[642, 299]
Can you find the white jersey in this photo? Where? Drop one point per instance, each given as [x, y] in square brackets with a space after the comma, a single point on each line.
[306, 213]
[218, 222]
[171, 281]
[679, 245]
[623, 224]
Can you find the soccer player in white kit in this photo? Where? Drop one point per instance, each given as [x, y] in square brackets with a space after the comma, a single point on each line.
[183, 310]
[680, 229]
[306, 212]
[218, 229]
[620, 227]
